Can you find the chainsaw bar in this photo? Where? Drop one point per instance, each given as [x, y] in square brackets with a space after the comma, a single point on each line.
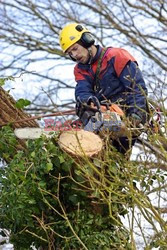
[33, 133]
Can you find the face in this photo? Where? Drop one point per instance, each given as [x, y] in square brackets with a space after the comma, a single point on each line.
[79, 53]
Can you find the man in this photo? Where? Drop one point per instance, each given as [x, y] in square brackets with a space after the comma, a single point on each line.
[104, 74]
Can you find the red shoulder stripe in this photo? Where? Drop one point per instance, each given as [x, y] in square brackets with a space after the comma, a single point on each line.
[80, 73]
[122, 57]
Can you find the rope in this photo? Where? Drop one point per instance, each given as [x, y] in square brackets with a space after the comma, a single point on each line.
[97, 80]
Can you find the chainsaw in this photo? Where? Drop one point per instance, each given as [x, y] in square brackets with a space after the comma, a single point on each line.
[107, 119]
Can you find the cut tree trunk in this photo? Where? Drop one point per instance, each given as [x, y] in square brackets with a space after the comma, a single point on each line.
[80, 143]
[9, 114]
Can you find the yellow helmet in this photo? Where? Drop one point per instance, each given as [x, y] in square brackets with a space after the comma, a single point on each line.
[73, 33]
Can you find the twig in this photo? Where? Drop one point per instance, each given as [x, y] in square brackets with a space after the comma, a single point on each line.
[59, 113]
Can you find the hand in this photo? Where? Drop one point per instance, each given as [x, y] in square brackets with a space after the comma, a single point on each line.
[84, 112]
[93, 102]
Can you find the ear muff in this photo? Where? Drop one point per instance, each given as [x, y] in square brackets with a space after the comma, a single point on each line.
[87, 40]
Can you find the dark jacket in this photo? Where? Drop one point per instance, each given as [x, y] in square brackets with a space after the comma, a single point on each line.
[120, 79]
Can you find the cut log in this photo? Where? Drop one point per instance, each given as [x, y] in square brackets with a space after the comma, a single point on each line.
[80, 143]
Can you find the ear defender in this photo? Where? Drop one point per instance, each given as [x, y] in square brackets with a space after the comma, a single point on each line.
[87, 39]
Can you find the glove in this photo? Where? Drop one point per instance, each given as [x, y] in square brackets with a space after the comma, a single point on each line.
[84, 111]
[93, 100]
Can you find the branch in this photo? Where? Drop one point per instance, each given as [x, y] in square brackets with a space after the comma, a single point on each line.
[153, 148]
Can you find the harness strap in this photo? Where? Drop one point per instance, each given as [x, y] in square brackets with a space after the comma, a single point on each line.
[97, 80]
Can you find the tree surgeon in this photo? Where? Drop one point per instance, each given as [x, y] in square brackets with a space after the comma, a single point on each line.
[105, 74]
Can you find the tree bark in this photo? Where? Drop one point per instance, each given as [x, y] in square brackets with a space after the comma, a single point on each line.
[9, 113]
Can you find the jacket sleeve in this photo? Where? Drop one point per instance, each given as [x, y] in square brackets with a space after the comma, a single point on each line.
[135, 88]
[83, 89]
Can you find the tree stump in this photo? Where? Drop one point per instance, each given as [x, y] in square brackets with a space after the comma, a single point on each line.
[80, 143]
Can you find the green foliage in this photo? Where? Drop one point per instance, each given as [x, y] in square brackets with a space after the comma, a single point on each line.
[3, 80]
[8, 143]
[21, 103]
[51, 200]
[44, 201]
